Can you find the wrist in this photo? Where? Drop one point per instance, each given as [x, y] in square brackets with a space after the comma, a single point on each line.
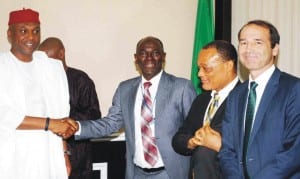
[47, 124]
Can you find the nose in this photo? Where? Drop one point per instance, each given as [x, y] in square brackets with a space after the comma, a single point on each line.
[30, 35]
[200, 73]
[249, 47]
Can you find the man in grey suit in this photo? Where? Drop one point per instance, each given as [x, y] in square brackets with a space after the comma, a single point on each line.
[167, 100]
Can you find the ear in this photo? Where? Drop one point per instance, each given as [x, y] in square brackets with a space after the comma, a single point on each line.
[229, 66]
[61, 54]
[9, 34]
[135, 58]
[164, 57]
[275, 50]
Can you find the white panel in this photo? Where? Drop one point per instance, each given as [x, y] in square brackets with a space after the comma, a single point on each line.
[284, 14]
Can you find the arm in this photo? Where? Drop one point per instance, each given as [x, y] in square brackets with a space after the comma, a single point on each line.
[228, 154]
[285, 163]
[190, 124]
[60, 127]
[106, 125]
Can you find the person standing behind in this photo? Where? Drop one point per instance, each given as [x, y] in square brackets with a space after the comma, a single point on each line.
[84, 105]
[151, 108]
[33, 95]
[200, 134]
[261, 134]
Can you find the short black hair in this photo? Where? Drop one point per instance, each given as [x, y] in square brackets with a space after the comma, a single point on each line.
[225, 49]
[149, 38]
[274, 35]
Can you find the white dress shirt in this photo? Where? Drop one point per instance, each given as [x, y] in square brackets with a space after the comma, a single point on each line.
[261, 81]
[139, 159]
[223, 93]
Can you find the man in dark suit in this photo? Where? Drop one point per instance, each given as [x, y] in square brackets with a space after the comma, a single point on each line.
[166, 103]
[200, 134]
[261, 134]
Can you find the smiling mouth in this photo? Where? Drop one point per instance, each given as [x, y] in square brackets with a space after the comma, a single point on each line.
[149, 65]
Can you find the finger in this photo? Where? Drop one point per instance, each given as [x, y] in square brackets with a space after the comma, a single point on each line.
[199, 132]
[197, 141]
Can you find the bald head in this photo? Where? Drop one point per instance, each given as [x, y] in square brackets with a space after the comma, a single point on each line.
[54, 48]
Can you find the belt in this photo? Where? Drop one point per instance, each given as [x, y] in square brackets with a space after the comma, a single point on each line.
[150, 170]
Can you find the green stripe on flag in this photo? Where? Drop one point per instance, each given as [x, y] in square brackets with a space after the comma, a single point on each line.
[204, 33]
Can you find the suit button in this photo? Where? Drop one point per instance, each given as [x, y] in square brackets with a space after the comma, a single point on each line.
[250, 159]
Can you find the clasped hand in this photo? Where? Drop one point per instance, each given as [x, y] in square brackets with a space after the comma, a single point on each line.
[206, 136]
[65, 127]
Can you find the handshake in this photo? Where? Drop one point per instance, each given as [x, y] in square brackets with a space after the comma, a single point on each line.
[65, 127]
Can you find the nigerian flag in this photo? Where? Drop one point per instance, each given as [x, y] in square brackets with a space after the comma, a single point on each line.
[204, 33]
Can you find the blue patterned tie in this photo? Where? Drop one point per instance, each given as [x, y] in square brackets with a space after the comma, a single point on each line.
[248, 123]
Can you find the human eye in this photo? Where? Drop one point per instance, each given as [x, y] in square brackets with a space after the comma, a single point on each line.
[142, 53]
[206, 69]
[155, 53]
[242, 43]
[22, 31]
[36, 31]
[258, 42]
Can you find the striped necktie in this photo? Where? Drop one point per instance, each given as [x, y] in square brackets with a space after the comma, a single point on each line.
[149, 146]
[212, 109]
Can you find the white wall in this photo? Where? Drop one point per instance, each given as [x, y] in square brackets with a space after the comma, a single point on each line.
[284, 14]
[100, 35]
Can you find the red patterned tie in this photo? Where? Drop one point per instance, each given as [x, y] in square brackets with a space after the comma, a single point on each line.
[150, 149]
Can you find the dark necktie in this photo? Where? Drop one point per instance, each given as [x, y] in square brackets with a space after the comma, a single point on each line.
[150, 149]
[212, 109]
[248, 123]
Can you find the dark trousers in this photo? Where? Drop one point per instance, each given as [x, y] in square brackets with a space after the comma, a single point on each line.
[205, 164]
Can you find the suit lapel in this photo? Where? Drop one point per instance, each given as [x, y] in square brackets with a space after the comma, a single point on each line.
[131, 101]
[162, 96]
[242, 103]
[266, 98]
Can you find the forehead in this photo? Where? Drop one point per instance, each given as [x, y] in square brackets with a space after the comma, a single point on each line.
[208, 55]
[254, 31]
[149, 43]
[29, 25]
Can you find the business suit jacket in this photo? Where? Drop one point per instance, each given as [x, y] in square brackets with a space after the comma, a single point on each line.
[274, 144]
[173, 100]
[193, 122]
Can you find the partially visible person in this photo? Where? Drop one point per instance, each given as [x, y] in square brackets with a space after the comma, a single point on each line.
[84, 105]
[150, 107]
[261, 128]
[33, 96]
[200, 134]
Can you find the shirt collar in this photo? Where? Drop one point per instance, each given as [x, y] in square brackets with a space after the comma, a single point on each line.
[155, 80]
[262, 79]
[223, 93]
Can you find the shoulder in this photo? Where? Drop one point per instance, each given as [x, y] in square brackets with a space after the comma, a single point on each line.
[4, 58]
[288, 79]
[77, 74]
[202, 98]
[175, 81]
[41, 58]
[129, 83]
